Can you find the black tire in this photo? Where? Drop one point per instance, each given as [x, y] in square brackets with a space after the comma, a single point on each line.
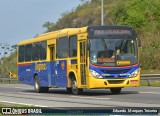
[45, 89]
[37, 86]
[69, 90]
[115, 90]
[74, 87]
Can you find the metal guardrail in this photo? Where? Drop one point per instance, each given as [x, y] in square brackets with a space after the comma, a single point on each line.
[8, 80]
[149, 77]
[146, 77]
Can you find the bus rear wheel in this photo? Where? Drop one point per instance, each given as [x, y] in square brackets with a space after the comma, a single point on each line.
[115, 90]
[74, 87]
[37, 86]
[45, 89]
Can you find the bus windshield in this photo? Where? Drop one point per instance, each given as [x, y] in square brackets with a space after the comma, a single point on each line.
[113, 52]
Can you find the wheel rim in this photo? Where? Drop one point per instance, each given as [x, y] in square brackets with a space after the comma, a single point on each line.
[36, 85]
[74, 86]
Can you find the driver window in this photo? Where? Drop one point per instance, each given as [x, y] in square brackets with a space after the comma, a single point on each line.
[130, 47]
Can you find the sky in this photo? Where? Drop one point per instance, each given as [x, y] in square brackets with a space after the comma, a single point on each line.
[23, 19]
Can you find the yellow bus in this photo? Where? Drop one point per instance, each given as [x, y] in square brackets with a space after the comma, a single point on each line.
[92, 57]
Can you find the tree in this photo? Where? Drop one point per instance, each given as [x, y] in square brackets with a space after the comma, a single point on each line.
[49, 26]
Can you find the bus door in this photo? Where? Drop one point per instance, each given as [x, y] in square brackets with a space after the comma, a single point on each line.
[82, 63]
[52, 65]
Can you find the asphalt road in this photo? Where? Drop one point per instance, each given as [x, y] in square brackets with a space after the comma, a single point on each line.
[129, 97]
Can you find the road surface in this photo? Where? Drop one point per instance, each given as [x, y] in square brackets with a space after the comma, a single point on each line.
[129, 97]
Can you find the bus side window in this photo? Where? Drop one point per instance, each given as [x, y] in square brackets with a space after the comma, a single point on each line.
[43, 47]
[62, 47]
[28, 52]
[36, 51]
[73, 46]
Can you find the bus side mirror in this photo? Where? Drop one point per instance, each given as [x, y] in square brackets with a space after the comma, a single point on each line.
[139, 43]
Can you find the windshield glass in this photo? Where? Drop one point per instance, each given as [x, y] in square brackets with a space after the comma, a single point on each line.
[113, 52]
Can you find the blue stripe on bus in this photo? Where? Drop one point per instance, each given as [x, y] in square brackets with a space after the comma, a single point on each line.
[122, 72]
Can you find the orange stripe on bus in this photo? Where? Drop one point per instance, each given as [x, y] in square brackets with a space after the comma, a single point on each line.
[25, 64]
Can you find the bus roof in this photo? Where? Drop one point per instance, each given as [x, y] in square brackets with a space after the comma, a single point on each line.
[69, 32]
[54, 35]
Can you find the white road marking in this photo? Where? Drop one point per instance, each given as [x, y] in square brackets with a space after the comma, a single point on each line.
[23, 104]
[29, 93]
[21, 87]
[88, 97]
[21, 93]
[150, 92]
[17, 87]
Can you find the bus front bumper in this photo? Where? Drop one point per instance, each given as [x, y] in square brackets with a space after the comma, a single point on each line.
[112, 83]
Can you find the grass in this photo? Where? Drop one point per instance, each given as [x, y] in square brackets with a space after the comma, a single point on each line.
[12, 105]
[3, 105]
[5, 82]
[150, 71]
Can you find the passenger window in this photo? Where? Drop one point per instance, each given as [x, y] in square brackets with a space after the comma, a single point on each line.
[62, 48]
[43, 51]
[28, 51]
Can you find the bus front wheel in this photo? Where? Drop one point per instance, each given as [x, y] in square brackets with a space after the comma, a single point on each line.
[115, 90]
[69, 90]
[74, 87]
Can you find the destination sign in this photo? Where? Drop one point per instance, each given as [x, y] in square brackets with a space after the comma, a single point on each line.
[110, 32]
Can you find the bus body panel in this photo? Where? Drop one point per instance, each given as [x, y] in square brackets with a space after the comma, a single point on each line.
[49, 74]
[61, 73]
[25, 73]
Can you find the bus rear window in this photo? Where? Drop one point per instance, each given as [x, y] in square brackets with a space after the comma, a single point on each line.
[21, 50]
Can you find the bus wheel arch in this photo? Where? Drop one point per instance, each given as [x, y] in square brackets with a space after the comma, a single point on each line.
[74, 86]
[71, 76]
[34, 76]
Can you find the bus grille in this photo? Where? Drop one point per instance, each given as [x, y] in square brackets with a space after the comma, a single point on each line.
[115, 71]
[115, 81]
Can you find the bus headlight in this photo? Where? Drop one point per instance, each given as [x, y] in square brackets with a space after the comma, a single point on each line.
[135, 73]
[95, 74]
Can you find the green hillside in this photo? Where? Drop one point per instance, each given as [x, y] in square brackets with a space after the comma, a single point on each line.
[143, 15]
[9, 64]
